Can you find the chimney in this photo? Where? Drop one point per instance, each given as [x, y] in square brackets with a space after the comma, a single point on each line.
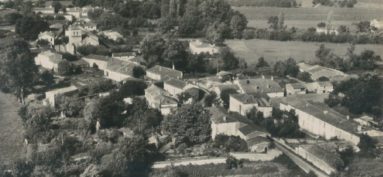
[224, 119]
[263, 76]
[173, 67]
[348, 117]
[325, 112]
[272, 78]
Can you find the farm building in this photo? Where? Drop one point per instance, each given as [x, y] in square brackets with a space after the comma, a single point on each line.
[159, 73]
[244, 103]
[320, 120]
[260, 85]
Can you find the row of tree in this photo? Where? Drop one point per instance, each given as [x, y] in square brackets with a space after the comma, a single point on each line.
[267, 3]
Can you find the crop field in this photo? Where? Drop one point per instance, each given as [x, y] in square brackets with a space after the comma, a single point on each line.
[305, 17]
[11, 130]
[273, 51]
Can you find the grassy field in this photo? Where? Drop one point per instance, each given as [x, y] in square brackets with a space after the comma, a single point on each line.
[306, 17]
[273, 51]
[11, 130]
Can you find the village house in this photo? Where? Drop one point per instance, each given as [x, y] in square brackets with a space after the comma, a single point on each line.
[49, 60]
[47, 36]
[52, 95]
[44, 10]
[260, 85]
[317, 71]
[112, 35]
[118, 70]
[324, 87]
[318, 119]
[78, 37]
[74, 11]
[124, 55]
[98, 61]
[376, 24]
[90, 26]
[63, 3]
[244, 103]
[175, 86]
[197, 47]
[158, 98]
[232, 124]
[160, 73]
[295, 89]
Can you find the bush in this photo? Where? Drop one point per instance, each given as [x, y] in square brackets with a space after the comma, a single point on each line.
[230, 143]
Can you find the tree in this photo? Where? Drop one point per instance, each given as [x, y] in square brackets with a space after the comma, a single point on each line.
[71, 106]
[12, 18]
[18, 70]
[175, 54]
[262, 63]
[230, 62]
[366, 144]
[152, 48]
[57, 6]
[138, 72]
[215, 33]
[230, 143]
[190, 125]
[304, 76]
[225, 96]
[65, 68]
[29, 27]
[233, 163]
[132, 88]
[238, 24]
[47, 78]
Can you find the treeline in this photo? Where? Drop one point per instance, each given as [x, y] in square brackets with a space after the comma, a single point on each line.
[168, 52]
[213, 19]
[266, 3]
[338, 3]
[278, 31]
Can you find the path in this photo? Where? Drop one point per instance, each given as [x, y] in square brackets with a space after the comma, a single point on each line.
[11, 130]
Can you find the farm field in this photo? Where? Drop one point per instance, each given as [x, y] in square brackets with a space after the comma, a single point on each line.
[273, 51]
[11, 130]
[305, 17]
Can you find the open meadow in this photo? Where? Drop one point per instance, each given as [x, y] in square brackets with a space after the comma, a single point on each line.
[273, 51]
[305, 17]
[11, 130]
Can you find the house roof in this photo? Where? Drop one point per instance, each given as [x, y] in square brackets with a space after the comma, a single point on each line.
[49, 33]
[62, 90]
[259, 85]
[245, 98]
[324, 113]
[123, 54]
[122, 67]
[165, 72]
[257, 140]
[317, 71]
[297, 85]
[160, 95]
[97, 57]
[220, 115]
[176, 83]
[251, 128]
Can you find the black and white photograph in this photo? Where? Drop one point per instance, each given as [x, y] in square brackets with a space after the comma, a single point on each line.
[191, 88]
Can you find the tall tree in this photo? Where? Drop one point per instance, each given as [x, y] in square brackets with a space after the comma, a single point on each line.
[18, 70]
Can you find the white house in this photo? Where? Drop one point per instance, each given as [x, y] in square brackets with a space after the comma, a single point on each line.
[48, 36]
[159, 73]
[244, 103]
[320, 87]
[118, 70]
[377, 24]
[113, 35]
[326, 30]
[99, 61]
[51, 96]
[197, 47]
[158, 98]
[295, 89]
[260, 85]
[322, 121]
[49, 60]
